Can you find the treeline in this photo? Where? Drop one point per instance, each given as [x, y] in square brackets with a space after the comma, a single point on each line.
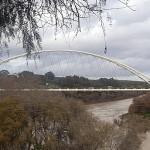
[46, 121]
[28, 79]
[73, 82]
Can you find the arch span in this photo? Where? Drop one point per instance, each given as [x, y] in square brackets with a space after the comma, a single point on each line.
[130, 69]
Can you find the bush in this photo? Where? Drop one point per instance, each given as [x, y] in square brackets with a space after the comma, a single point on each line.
[140, 105]
[13, 121]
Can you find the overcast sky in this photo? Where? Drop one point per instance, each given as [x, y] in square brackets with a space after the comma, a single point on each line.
[128, 38]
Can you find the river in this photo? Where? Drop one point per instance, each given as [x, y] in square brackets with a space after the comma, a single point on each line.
[108, 111]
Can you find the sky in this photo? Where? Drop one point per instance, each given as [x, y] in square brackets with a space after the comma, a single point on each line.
[127, 37]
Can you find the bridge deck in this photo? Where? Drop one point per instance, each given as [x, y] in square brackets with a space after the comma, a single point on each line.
[76, 90]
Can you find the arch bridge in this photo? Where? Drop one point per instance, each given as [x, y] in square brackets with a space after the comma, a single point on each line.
[129, 69]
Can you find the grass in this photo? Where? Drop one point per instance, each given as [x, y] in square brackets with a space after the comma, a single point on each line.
[147, 115]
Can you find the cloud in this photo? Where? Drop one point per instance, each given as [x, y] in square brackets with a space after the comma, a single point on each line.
[128, 39]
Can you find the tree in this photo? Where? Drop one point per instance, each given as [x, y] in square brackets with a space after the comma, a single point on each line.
[22, 19]
[43, 120]
[13, 120]
[25, 74]
[141, 105]
[73, 82]
[4, 73]
[59, 124]
[49, 76]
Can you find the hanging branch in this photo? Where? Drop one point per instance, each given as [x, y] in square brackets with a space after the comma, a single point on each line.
[22, 19]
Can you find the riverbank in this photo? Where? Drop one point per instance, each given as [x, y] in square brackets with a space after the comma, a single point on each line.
[108, 111]
[98, 97]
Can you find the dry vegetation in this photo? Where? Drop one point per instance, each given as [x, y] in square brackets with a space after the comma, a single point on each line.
[46, 121]
[141, 105]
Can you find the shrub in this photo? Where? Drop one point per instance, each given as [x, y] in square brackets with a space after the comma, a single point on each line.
[140, 105]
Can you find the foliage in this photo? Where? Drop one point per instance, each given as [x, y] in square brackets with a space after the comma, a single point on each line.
[135, 128]
[49, 76]
[133, 84]
[4, 72]
[27, 79]
[18, 19]
[59, 124]
[26, 74]
[95, 97]
[22, 19]
[105, 83]
[140, 105]
[73, 82]
[132, 140]
[20, 82]
[51, 122]
[13, 120]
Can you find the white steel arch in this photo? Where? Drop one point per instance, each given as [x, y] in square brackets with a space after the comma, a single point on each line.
[132, 70]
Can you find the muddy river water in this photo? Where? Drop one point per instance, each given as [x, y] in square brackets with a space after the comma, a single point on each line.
[108, 111]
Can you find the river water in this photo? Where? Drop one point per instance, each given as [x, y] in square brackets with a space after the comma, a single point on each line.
[108, 111]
